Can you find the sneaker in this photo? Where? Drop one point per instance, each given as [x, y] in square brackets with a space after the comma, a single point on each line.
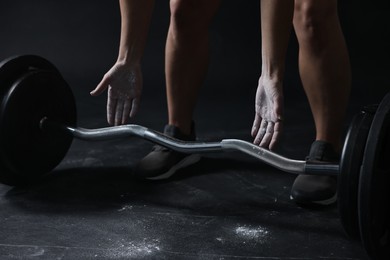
[161, 163]
[317, 189]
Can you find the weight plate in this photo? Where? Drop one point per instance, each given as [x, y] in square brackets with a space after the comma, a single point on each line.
[26, 151]
[348, 180]
[374, 186]
[13, 67]
[10, 70]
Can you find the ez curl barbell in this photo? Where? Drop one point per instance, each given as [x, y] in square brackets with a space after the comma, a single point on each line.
[38, 124]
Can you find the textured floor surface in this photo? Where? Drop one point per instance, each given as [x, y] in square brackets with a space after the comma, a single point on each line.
[227, 206]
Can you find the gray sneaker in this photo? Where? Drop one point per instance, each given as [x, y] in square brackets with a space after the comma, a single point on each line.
[161, 163]
[315, 189]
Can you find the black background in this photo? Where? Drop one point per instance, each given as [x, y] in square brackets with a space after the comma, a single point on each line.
[81, 38]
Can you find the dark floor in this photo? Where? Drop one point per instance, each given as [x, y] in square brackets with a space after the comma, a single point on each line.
[227, 206]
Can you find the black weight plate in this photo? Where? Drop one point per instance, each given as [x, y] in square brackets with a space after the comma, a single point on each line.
[26, 151]
[374, 186]
[351, 160]
[14, 67]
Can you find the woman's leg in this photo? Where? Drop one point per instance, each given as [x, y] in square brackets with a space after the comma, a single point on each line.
[187, 56]
[323, 65]
[186, 62]
[326, 77]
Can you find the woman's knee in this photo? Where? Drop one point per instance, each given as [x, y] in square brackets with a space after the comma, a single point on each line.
[313, 17]
[192, 14]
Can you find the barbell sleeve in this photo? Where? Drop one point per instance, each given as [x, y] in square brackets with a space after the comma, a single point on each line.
[278, 161]
[322, 169]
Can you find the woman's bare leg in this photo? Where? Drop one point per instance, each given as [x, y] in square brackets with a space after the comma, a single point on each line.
[187, 57]
[323, 65]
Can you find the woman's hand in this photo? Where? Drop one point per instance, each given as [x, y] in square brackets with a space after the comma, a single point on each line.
[267, 125]
[124, 84]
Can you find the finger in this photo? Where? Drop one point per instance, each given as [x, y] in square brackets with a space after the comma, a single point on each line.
[268, 135]
[126, 111]
[278, 107]
[119, 111]
[276, 136]
[134, 107]
[261, 132]
[256, 125]
[101, 87]
[111, 107]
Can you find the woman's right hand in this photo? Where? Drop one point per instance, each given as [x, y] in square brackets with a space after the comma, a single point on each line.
[124, 84]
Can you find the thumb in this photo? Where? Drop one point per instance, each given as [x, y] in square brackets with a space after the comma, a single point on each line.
[101, 87]
[278, 107]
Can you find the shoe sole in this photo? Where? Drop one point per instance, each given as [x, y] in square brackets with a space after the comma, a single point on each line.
[326, 202]
[188, 160]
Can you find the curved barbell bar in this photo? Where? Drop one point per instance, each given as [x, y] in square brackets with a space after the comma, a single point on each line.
[278, 161]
